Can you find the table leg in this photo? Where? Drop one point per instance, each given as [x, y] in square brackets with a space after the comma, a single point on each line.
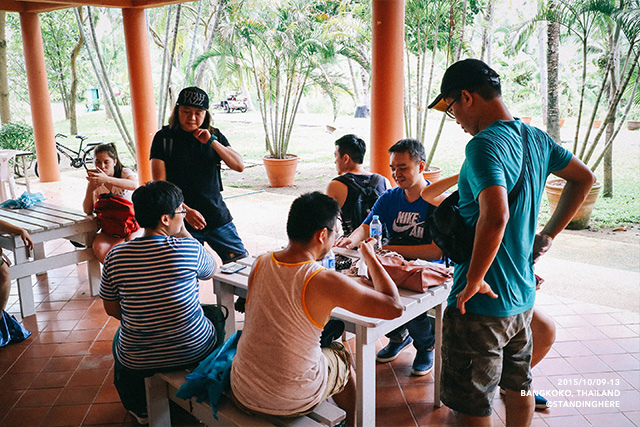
[438, 357]
[225, 296]
[24, 172]
[25, 286]
[365, 379]
[93, 269]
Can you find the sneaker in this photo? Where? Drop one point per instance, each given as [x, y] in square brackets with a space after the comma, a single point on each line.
[423, 363]
[141, 419]
[391, 351]
[541, 402]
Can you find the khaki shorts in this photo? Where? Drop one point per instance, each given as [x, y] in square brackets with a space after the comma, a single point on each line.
[481, 352]
[339, 370]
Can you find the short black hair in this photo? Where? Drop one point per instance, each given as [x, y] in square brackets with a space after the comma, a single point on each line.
[309, 214]
[411, 146]
[154, 199]
[352, 145]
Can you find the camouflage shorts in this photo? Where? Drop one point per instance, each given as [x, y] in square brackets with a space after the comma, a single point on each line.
[481, 352]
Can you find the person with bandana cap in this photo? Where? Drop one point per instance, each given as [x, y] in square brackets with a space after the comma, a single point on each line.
[188, 152]
[486, 334]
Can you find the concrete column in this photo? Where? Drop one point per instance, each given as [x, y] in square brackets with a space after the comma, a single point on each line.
[387, 81]
[143, 104]
[39, 97]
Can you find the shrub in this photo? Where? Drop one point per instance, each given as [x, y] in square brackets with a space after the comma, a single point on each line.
[17, 136]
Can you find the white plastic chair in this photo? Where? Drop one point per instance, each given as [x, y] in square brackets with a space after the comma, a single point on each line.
[6, 175]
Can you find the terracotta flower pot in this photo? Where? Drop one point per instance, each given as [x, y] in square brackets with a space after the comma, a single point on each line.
[432, 173]
[633, 124]
[561, 122]
[526, 119]
[281, 172]
[597, 124]
[580, 220]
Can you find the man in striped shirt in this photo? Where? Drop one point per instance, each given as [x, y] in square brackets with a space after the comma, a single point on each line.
[151, 285]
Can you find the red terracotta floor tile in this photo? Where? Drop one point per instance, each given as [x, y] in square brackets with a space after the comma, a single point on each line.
[63, 363]
[565, 421]
[385, 376]
[605, 346]
[51, 379]
[617, 331]
[61, 325]
[572, 348]
[80, 335]
[66, 415]
[101, 347]
[389, 397]
[418, 394]
[107, 394]
[618, 420]
[52, 337]
[17, 381]
[71, 314]
[397, 416]
[96, 361]
[621, 362]
[96, 324]
[78, 395]
[586, 364]
[41, 350]
[24, 365]
[73, 349]
[39, 397]
[105, 413]
[86, 377]
[24, 417]
[428, 415]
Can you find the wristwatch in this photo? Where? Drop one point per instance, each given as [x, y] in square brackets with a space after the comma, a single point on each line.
[213, 138]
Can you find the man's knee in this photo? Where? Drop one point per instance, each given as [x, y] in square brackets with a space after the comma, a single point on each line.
[543, 329]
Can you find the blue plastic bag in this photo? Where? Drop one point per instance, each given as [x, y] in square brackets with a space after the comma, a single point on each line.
[26, 200]
[11, 331]
[212, 376]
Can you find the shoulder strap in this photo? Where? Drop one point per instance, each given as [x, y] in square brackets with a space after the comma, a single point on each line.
[525, 154]
[348, 181]
[375, 179]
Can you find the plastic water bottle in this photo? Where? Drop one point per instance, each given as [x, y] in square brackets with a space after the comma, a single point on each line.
[329, 261]
[375, 231]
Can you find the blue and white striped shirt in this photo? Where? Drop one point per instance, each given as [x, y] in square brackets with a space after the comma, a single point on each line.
[155, 278]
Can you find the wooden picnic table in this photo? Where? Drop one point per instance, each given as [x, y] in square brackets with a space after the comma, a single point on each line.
[46, 222]
[366, 329]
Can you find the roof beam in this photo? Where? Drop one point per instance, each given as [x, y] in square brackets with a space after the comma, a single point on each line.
[38, 6]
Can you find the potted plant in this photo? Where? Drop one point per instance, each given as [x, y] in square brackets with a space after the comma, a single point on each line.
[284, 54]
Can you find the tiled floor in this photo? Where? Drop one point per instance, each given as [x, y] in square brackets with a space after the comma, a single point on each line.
[62, 374]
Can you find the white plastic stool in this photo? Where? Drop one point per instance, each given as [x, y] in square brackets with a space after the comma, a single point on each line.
[6, 175]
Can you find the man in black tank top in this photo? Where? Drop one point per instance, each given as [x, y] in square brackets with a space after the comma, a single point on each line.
[354, 189]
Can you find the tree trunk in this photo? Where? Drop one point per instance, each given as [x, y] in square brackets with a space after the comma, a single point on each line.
[163, 106]
[542, 66]
[188, 75]
[553, 110]
[73, 95]
[487, 33]
[5, 110]
[212, 35]
[607, 187]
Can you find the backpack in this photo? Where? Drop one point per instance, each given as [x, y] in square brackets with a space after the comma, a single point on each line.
[450, 232]
[115, 215]
[353, 214]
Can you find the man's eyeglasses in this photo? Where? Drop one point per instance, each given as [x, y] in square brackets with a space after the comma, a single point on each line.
[449, 112]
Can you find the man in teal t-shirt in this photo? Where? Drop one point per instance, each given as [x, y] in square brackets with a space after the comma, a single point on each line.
[486, 330]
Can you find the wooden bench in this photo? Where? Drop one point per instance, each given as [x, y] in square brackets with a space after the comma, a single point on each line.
[163, 387]
[46, 222]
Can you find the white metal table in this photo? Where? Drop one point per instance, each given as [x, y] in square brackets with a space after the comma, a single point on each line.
[367, 330]
[46, 222]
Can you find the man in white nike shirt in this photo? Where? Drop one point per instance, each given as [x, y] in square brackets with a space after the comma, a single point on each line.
[402, 213]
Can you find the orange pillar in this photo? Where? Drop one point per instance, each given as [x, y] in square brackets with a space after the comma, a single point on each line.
[143, 103]
[387, 81]
[39, 97]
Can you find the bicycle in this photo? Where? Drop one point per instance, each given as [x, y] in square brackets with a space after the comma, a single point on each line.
[77, 158]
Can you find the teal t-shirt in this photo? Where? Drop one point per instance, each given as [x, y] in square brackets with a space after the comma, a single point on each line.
[494, 157]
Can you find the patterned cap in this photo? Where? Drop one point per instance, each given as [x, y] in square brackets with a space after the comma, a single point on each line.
[193, 97]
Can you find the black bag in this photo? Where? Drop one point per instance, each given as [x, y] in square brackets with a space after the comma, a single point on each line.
[353, 214]
[450, 232]
[217, 314]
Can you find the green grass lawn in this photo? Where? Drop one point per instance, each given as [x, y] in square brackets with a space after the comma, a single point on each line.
[313, 143]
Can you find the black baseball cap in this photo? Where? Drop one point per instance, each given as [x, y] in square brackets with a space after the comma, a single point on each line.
[467, 74]
[193, 97]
